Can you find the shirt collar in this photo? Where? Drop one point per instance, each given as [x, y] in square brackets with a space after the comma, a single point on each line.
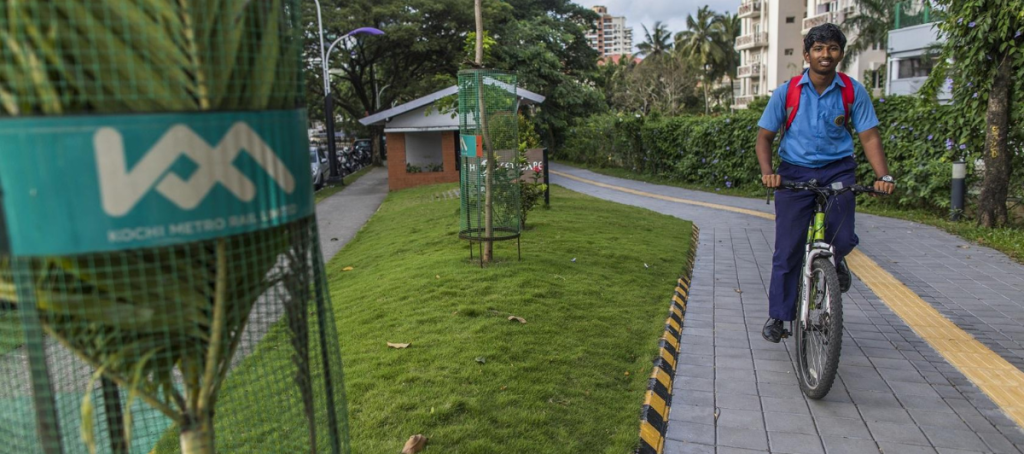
[806, 80]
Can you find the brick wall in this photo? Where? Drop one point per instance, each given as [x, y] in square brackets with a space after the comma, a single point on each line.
[398, 178]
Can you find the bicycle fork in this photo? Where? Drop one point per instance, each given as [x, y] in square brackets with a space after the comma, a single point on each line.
[816, 247]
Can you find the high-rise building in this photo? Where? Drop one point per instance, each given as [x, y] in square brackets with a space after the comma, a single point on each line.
[771, 44]
[610, 36]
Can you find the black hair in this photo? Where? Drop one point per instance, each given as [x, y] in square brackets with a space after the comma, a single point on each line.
[825, 33]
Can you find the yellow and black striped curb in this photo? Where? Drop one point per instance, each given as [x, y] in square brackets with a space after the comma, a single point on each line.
[658, 398]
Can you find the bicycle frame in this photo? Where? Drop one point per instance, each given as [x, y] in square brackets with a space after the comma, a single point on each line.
[816, 247]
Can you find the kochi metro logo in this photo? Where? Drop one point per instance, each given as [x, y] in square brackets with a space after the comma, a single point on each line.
[122, 188]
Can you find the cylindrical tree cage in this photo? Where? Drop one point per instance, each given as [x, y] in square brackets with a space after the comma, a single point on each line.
[161, 280]
[489, 140]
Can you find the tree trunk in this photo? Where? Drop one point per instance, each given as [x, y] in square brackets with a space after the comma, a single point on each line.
[198, 439]
[995, 185]
[707, 104]
[377, 154]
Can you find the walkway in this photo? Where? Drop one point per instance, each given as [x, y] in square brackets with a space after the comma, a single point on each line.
[340, 216]
[736, 393]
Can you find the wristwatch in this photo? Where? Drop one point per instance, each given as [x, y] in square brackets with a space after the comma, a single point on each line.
[887, 179]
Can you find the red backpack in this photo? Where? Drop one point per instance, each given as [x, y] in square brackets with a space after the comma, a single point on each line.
[793, 99]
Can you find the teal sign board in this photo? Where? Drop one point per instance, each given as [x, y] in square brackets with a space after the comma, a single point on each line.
[73, 185]
[471, 145]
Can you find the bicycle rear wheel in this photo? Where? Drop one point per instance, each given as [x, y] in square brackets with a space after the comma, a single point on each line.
[819, 339]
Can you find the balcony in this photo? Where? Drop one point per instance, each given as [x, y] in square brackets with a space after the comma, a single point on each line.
[743, 101]
[820, 19]
[750, 9]
[751, 70]
[751, 41]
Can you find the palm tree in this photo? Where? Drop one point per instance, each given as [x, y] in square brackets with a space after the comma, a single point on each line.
[871, 27]
[730, 29]
[702, 41]
[657, 44]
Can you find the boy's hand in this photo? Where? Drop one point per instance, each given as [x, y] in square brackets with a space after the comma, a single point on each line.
[773, 180]
[882, 186]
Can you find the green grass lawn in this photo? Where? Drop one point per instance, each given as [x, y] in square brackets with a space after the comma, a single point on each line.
[569, 380]
[328, 191]
[1008, 240]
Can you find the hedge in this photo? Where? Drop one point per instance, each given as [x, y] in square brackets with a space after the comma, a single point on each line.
[920, 138]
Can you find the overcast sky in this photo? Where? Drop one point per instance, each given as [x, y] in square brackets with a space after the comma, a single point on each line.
[671, 12]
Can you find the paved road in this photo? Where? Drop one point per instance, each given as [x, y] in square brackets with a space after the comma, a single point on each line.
[340, 216]
[895, 394]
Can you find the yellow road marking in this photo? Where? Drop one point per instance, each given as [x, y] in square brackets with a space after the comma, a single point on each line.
[759, 214]
[996, 377]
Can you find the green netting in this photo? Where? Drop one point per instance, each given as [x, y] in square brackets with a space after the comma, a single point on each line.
[490, 144]
[226, 343]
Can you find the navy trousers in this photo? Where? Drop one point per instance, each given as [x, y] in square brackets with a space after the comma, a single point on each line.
[794, 211]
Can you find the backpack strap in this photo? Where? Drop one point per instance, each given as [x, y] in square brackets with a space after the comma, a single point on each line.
[847, 91]
[792, 102]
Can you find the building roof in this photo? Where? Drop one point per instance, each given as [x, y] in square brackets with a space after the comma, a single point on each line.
[615, 59]
[386, 115]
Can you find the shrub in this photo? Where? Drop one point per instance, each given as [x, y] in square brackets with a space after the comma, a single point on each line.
[921, 138]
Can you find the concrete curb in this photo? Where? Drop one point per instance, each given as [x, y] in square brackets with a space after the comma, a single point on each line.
[658, 398]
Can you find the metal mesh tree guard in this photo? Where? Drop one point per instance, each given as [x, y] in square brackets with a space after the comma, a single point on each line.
[489, 128]
[161, 280]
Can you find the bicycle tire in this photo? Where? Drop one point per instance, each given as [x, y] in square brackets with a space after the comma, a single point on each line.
[816, 377]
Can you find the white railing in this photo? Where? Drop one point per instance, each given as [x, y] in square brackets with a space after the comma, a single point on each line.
[751, 40]
[743, 101]
[750, 9]
[751, 70]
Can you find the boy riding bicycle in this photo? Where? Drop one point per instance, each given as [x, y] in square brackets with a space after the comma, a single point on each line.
[814, 111]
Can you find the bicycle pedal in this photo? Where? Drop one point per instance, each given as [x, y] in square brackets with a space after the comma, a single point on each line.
[785, 334]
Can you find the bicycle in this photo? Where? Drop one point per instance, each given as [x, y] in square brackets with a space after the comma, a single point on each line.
[819, 322]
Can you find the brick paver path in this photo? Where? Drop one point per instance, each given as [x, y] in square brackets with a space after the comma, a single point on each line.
[736, 393]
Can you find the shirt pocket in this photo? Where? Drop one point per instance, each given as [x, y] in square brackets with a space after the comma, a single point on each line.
[836, 123]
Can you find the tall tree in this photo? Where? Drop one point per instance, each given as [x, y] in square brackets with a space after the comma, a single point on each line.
[985, 39]
[702, 41]
[869, 27]
[423, 38]
[544, 43]
[655, 44]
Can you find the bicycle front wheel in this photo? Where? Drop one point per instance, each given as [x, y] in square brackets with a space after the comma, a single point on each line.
[819, 336]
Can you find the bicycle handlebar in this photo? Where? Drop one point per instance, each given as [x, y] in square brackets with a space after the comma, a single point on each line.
[834, 188]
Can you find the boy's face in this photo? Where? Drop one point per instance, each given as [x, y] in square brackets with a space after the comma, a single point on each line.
[824, 57]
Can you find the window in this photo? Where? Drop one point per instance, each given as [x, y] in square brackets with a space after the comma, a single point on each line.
[914, 67]
[790, 19]
[874, 46]
[788, 51]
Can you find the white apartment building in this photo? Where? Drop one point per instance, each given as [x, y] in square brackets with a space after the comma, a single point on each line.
[910, 40]
[611, 35]
[771, 43]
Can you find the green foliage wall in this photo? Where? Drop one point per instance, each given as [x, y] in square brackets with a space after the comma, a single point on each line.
[920, 138]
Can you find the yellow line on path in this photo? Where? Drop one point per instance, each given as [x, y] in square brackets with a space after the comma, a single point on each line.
[996, 377]
[759, 214]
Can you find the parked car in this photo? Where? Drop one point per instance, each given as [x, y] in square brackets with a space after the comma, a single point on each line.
[320, 167]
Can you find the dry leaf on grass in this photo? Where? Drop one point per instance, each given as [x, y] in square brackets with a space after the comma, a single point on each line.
[518, 319]
[415, 444]
[394, 345]
[347, 268]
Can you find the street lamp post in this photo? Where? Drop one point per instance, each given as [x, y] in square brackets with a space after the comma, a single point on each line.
[332, 152]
